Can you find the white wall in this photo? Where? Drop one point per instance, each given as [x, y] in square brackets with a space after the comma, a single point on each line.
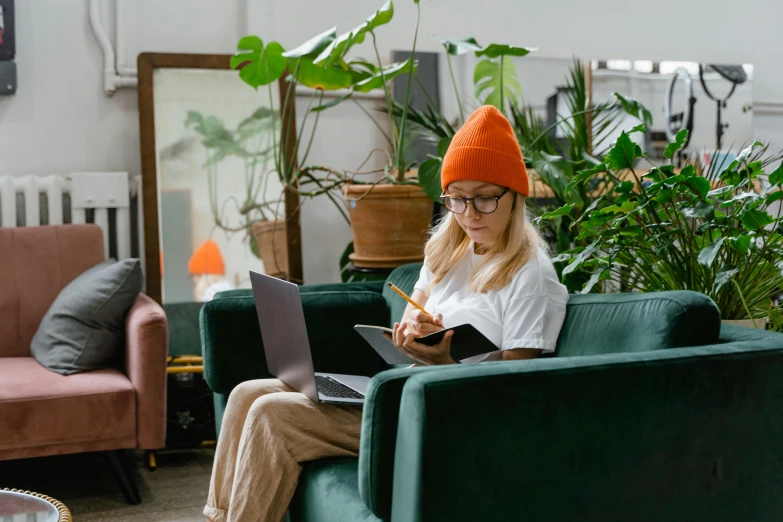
[60, 120]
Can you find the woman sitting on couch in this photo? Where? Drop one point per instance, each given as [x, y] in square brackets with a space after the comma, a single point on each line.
[485, 265]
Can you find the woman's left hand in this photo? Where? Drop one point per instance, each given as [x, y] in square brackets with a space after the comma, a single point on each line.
[430, 355]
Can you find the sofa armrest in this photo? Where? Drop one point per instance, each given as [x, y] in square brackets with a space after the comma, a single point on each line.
[615, 434]
[146, 332]
[234, 351]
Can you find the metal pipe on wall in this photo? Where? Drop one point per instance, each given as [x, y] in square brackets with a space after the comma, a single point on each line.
[119, 25]
[111, 79]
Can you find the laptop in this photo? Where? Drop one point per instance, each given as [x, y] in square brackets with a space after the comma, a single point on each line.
[287, 349]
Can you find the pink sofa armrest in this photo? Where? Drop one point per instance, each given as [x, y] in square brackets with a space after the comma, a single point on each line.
[147, 341]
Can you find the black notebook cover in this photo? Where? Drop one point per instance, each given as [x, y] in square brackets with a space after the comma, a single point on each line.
[466, 342]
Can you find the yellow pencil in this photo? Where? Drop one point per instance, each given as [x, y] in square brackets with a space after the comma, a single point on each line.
[411, 301]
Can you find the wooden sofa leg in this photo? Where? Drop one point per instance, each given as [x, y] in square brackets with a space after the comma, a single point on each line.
[122, 472]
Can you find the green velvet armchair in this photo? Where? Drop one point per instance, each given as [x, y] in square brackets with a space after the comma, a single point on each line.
[649, 410]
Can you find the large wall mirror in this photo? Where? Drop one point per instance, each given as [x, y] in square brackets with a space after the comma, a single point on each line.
[214, 206]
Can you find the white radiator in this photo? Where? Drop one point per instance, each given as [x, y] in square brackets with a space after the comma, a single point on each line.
[111, 200]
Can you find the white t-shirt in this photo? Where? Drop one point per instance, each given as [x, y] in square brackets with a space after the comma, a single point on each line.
[526, 313]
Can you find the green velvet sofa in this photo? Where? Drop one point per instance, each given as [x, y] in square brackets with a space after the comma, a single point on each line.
[649, 410]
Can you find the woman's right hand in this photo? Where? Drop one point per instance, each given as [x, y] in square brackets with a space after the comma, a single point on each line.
[419, 324]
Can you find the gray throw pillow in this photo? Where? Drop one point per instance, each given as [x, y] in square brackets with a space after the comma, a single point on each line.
[84, 328]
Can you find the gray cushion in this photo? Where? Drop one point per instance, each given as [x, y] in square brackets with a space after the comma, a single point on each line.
[84, 328]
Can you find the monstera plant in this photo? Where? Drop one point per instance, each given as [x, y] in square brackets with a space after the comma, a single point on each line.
[664, 228]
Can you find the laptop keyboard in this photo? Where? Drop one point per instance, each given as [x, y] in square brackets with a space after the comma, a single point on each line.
[333, 388]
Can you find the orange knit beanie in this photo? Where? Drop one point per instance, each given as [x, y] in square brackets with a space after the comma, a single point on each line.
[486, 149]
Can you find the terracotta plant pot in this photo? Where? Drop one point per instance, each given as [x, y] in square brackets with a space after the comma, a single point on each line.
[272, 244]
[389, 224]
[761, 322]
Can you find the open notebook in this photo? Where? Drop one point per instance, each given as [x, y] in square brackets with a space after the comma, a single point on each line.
[466, 342]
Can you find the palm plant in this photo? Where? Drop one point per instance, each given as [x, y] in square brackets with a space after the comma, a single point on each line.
[586, 128]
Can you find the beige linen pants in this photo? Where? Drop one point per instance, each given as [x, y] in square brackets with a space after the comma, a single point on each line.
[268, 430]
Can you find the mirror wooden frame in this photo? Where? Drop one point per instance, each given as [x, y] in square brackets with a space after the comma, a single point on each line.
[147, 63]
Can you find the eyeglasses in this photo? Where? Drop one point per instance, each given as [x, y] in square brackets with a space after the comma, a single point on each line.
[482, 204]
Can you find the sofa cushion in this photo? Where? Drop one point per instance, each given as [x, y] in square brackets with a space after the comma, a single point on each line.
[35, 264]
[621, 323]
[328, 491]
[84, 328]
[40, 408]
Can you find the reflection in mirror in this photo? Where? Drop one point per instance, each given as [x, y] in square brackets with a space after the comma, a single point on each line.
[221, 205]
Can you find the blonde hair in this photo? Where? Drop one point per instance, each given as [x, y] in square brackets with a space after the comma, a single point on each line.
[518, 242]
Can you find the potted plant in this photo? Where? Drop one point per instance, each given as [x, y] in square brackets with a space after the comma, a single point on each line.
[668, 230]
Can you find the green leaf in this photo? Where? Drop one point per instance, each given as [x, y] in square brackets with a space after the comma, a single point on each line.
[755, 168]
[627, 207]
[486, 80]
[495, 50]
[623, 154]
[580, 258]
[550, 170]
[756, 219]
[429, 178]
[738, 198]
[332, 103]
[458, 46]
[443, 146]
[389, 73]
[611, 209]
[313, 47]
[562, 211]
[317, 77]
[699, 185]
[339, 47]
[560, 258]
[741, 243]
[776, 176]
[664, 196]
[360, 70]
[747, 151]
[677, 144]
[720, 191]
[639, 128]
[774, 196]
[585, 174]
[599, 275]
[259, 65]
[702, 209]
[625, 187]
[723, 276]
[635, 109]
[708, 253]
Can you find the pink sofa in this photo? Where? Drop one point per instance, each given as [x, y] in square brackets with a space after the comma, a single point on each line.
[45, 413]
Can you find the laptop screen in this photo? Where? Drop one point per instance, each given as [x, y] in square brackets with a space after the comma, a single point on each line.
[283, 332]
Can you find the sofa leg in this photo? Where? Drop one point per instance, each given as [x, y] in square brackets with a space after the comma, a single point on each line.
[122, 472]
